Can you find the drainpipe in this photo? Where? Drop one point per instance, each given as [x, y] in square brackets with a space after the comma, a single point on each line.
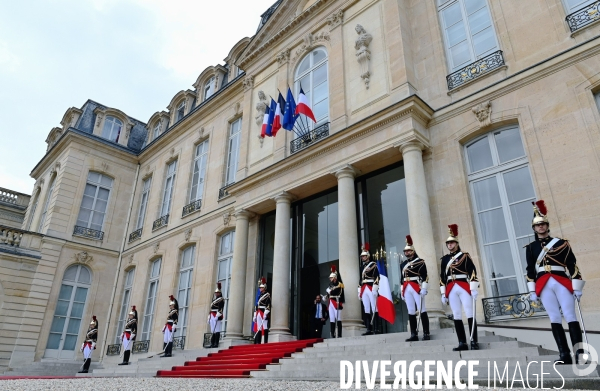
[114, 290]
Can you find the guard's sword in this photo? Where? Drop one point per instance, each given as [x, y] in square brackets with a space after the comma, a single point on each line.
[258, 329]
[582, 324]
[474, 319]
[420, 311]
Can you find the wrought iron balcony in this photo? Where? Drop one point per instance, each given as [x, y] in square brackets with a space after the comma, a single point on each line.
[88, 233]
[191, 208]
[511, 307]
[476, 69]
[135, 235]
[140, 347]
[160, 222]
[113, 350]
[223, 191]
[584, 16]
[309, 138]
[179, 342]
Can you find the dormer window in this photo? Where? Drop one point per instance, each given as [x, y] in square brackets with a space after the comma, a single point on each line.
[209, 88]
[112, 129]
[180, 110]
[156, 131]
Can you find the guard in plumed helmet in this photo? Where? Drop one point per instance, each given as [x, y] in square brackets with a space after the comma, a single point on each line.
[262, 311]
[215, 318]
[413, 288]
[368, 289]
[128, 335]
[170, 326]
[553, 276]
[89, 344]
[458, 285]
[335, 291]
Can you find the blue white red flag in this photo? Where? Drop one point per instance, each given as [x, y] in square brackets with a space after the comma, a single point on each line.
[303, 106]
[263, 130]
[385, 304]
[254, 325]
[271, 118]
[278, 119]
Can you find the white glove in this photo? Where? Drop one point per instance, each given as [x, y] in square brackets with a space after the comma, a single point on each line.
[423, 292]
[254, 318]
[82, 345]
[208, 319]
[94, 345]
[577, 294]
[375, 290]
[132, 337]
[267, 313]
[328, 290]
[474, 294]
[219, 316]
[358, 293]
[444, 299]
[533, 296]
[402, 297]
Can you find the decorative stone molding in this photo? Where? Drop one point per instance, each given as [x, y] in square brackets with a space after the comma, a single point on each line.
[55, 169]
[261, 107]
[201, 132]
[187, 234]
[226, 218]
[53, 137]
[83, 258]
[156, 247]
[335, 19]
[363, 54]
[243, 214]
[261, 140]
[237, 108]
[346, 171]
[104, 167]
[130, 261]
[99, 117]
[283, 57]
[248, 82]
[483, 112]
[309, 41]
[284, 196]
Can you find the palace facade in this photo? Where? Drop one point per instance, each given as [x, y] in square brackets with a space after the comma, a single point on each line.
[429, 112]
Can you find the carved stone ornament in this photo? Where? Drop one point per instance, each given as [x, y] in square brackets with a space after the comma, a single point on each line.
[248, 82]
[201, 132]
[99, 117]
[105, 167]
[187, 234]
[83, 258]
[283, 57]
[309, 41]
[335, 19]
[55, 169]
[237, 108]
[261, 140]
[130, 261]
[156, 247]
[261, 107]
[363, 54]
[226, 218]
[483, 112]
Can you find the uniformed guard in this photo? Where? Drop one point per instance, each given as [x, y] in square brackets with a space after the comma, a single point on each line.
[170, 326]
[553, 276]
[215, 318]
[458, 285]
[335, 291]
[89, 344]
[128, 335]
[261, 313]
[413, 288]
[369, 289]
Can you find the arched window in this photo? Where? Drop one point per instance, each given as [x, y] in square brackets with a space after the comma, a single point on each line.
[66, 324]
[224, 269]
[311, 76]
[184, 289]
[180, 111]
[156, 131]
[112, 128]
[209, 88]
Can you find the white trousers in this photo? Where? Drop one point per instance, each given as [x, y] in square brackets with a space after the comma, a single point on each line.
[168, 335]
[87, 352]
[215, 323]
[261, 323]
[555, 297]
[413, 301]
[459, 299]
[369, 300]
[127, 343]
[335, 315]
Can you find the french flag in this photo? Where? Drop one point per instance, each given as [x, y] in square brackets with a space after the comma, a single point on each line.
[278, 119]
[385, 304]
[265, 124]
[303, 106]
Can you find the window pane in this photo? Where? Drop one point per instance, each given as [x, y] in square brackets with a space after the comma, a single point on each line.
[304, 84]
[103, 194]
[304, 65]
[480, 20]
[518, 185]
[484, 42]
[80, 294]
[76, 310]
[509, 145]
[105, 181]
[520, 245]
[521, 216]
[318, 56]
[493, 226]
[460, 54]
[129, 279]
[487, 195]
[62, 306]
[58, 324]
[100, 206]
[73, 327]
[223, 270]
[320, 109]
[452, 15]
[53, 341]
[70, 342]
[320, 93]
[320, 75]
[84, 278]
[505, 287]
[87, 202]
[479, 155]
[474, 5]
[70, 275]
[500, 258]
[94, 177]
[456, 34]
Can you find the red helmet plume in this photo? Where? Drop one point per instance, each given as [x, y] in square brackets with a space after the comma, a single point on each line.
[172, 297]
[453, 229]
[133, 308]
[367, 246]
[333, 269]
[94, 317]
[409, 240]
[541, 205]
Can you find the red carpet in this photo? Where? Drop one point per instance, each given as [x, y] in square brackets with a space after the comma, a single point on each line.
[238, 361]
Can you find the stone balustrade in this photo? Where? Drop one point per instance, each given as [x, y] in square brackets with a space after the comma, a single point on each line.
[20, 240]
[11, 236]
[12, 197]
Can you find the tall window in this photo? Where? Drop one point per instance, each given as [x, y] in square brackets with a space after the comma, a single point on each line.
[180, 111]
[209, 88]
[151, 299]
[168, 192]
[311, 76]
[199, 171]
[33, 208]
[185, 288]
[224, 269]
[156, 131]
[468, 31]
[574, 5]
[143, 203]
[112, 128]
[124, 312]
[502, 191]
[233, 151]
[95, 200]
[46, 202]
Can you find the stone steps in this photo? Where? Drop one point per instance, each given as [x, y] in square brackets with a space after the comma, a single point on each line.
[50, 368]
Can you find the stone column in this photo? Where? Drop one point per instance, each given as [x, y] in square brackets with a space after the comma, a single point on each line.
[237, 288]
[348, 243]
[419, 221]
[280, 301]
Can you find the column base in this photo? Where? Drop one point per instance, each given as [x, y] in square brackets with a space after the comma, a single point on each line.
[281, 337]
[352, 328]
[228, 342]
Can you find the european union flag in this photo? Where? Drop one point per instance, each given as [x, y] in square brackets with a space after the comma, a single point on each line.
[289, 119]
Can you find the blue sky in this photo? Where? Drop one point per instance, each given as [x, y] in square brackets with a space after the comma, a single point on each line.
[134, 55]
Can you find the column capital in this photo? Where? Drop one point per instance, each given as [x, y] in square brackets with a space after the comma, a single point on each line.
[283, 197]
[346, 171]
[243, 214]
[412, 145]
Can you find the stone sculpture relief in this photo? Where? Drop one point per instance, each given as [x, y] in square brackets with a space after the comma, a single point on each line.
[483, 112]
[261, 107]
[363, 54]
[83, 257]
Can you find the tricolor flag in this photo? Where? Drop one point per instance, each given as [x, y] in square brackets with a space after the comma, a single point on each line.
[278, 119]
[289, 115]
[254, 325]
[304, 107]
[263, 129]
[385, 304]
[271, 118]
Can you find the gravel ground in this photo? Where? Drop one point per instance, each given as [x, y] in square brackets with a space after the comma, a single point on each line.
[148, 384]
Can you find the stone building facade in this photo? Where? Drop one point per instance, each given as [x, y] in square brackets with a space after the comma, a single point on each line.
[428, 113]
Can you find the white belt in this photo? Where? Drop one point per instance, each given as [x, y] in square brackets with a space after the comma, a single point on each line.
[411, 279]
[539, 268]
[169, 321]
[365, 281]
[262, 307]
[457, 277]
[128, 330]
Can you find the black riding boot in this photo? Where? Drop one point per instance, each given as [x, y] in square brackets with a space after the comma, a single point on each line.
[257, 338]
[475, 341]
[561, 342]
[425, 321]
[168, 350]
[332, 329]
[339, 325]
[576, 337]
[377, 324]
[86, 366]
[266, 336]
[367, 320]
[460, 333]
[126, 357]
[412, 321]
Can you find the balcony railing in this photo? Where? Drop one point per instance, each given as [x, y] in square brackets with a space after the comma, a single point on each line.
[11, 236]
[511, 307]
[223, 191]
[309, 138]
[135, 235]
[584, 16]
[88, 233]
[160, 222]
[113, 350]
[474, 70]
[179, 342]
[140, 347]
[191, 208]
[14, 198]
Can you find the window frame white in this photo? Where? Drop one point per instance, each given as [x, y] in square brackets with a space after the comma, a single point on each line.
[184, 293]
[167, 198]
[126, 299]
[571, 9]
[310, 73]
[156, 131]
[33, 209]
[224, 260]
[200, 162]
[180, 111]
[99, 186]
[150, 303]
[232, 156]
[46, 203]
[112, 121]
[146, 185]
[209, 88]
